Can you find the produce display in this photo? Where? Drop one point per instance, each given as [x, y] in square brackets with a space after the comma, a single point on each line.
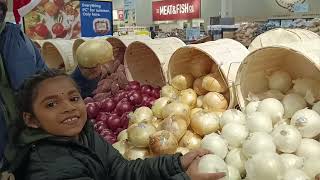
[314, 26]
[246, 33]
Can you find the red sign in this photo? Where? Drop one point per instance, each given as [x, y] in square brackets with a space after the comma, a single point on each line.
[176, 10]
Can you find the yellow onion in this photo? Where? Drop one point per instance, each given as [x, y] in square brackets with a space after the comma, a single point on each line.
[158, 105]
[182, 81]
[214, 83]
[190, 140]
[195, 110]
[123, 135]
[169, 91]
[215, 102]
[182, 150]
[197, 86]
[175, 124]
[138, 134]
[121, 146]
[163, 142]
[134, 153]
[156, 122]
[188, 97]
[204, 123]
[94, 52]
[199, 67]
[200, 101]
[176, 108]
[142, 114]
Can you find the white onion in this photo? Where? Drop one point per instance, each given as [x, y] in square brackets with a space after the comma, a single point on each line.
[136, 153]
[182, 150]
[214, 83]
[235, 134]
[232, 116]
[291, 161]
[158, 105]
[312, 167]
[280, 80]
[188, 97]
[182, 81]
[252, 107]
[307, 88]
[204, 123]
[259, 122]
[163, 142]
[308, 148]
[276, 94]
[175, 108]
[169, 91]
[215, 144]
[292, 103]
[214, 101]
[200, 101]
[142, 114]
[121, 146]
[190, 140]
[316, 107]
[138, 134]
[123, 135]
[197, 86]
[233, 173]
[273, 108]
[175, 124]
[295, 174]
[307, 122]
[286, 138]
[265, 166]
[258, 142]
[213, 164]
[236, 159]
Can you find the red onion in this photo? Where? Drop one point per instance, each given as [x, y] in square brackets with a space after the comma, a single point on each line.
[144, 100]
[110, 139]
[92, 110]
[99, 126]
[88, 100]
[102, 116]
[150, 101]
[133, 85]
[93, 121]
[106, 132]
[118, 97]
[107, 105]
[125, 120]
[114, 122]
[146, 89]
[155, 93]
[135, 98]
[123, 107]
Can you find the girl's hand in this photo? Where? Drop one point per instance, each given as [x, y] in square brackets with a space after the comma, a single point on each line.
[194, 174]
[188, 158]
[317, 177]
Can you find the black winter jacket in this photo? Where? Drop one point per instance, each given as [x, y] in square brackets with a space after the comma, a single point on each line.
[91, 158]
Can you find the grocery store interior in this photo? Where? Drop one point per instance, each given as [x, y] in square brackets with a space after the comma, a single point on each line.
[163, 89]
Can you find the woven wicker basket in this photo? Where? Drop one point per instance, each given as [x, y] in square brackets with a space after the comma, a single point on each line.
[227, 54]
[58, 54]
[147, 60]
[282, 36]
[300, 59]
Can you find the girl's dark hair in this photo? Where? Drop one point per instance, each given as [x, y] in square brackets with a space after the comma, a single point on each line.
[29, 89]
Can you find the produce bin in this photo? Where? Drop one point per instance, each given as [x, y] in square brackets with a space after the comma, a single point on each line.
[226, 54]
[280, 36]
[299, 59]
[147, 61]
[58, 54]
[120, 44]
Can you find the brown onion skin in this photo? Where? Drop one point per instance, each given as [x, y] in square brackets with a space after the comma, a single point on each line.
[162, 143]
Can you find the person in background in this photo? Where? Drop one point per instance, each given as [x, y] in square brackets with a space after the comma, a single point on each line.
[62, 144]
[153, 33]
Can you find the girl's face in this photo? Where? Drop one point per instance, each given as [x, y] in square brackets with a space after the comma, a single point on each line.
[58, 108]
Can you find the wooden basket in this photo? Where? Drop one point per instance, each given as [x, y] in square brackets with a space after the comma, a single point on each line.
[38, 43]
[281, 36]
[147, 61]
[300, 59]
[58, 54]
[120, 44]
[227, 54]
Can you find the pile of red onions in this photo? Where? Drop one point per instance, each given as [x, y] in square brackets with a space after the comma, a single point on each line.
[110, 116]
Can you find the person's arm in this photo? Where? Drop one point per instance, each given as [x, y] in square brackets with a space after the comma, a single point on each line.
[161, 168]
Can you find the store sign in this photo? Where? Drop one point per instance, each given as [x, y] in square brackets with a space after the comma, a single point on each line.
[176, 10]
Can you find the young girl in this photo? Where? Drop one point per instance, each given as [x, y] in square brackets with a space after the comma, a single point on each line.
[62, 145]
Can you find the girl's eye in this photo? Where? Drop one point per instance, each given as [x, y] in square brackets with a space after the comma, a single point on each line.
[51, 104]
[76, 98]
